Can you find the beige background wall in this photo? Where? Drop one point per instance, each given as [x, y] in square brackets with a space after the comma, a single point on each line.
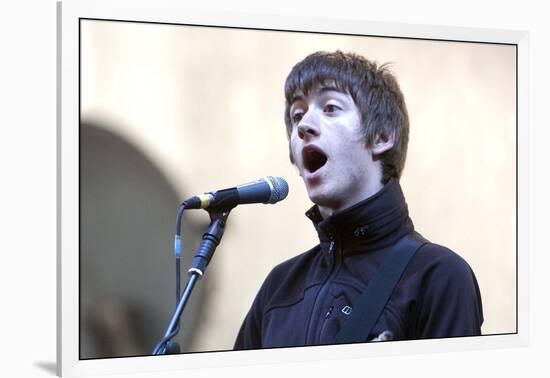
[206, 106]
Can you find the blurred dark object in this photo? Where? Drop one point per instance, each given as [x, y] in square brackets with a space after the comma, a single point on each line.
[127, 270]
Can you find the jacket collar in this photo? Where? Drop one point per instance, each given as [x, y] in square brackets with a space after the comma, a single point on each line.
[373, 223]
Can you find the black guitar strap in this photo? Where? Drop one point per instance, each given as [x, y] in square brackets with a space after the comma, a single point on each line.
[370, 304]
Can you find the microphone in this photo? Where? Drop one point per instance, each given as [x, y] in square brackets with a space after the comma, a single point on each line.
[267, 190]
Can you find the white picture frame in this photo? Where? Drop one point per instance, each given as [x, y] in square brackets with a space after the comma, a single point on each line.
[70, 14]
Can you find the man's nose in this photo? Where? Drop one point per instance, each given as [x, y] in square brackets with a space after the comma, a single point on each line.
[308, 126]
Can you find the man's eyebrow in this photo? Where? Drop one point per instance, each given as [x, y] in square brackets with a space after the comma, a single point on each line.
[297, 97]
[330, 89]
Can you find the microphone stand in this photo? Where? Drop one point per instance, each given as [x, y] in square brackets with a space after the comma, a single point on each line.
[210, 240]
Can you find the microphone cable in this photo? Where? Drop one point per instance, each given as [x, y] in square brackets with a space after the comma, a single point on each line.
[177, 255]
[166, 343]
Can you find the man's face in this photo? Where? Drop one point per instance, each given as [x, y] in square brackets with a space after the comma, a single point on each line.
[329, 149]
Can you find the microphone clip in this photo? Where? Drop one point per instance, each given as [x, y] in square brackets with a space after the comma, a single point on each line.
[224, 201]
[220, 201]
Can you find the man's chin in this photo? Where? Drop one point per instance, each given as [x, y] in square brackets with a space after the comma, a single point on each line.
[315, 196]
[321, 194]
[320, 199]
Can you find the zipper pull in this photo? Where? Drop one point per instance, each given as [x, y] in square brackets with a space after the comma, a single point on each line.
[331, 247]
[329, 312]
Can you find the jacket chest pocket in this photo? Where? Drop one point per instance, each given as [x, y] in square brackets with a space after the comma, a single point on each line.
[341, 308]
[337, 309]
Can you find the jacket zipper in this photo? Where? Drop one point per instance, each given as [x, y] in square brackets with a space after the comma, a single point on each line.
[312, 337]
[325, 320]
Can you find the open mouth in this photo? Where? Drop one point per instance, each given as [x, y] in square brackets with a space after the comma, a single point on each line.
[314, 158]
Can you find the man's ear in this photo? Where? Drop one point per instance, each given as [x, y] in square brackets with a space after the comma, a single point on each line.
[382, 143]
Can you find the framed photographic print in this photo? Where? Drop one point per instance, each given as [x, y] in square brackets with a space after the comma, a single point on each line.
[159, 104]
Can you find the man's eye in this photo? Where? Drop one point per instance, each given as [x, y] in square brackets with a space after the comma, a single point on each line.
[330, 108]
[297, 117]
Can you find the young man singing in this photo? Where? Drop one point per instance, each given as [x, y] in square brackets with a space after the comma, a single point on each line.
[348, 132]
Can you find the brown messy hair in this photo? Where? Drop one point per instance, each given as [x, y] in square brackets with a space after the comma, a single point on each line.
[374, 90]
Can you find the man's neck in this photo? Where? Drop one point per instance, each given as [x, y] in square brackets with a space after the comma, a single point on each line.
[327, 211]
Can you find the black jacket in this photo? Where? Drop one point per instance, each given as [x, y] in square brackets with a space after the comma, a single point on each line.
[304, 300]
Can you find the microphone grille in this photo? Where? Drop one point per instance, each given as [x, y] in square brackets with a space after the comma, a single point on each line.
[279, 189]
